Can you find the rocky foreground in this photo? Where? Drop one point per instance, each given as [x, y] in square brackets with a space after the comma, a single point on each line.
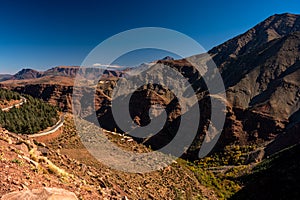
[61, 161]
[25, 166]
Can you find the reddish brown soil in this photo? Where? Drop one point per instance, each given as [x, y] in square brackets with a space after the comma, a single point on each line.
[48, 138]
[19, 171]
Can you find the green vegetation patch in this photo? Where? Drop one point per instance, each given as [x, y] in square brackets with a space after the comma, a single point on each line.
[32, 117]
[224, 184]
[221, 171]
[231, 155]
[7, 95]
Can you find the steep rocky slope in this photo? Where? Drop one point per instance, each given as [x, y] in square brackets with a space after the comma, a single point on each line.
[262, 79]
[274, 27]
[267, 80]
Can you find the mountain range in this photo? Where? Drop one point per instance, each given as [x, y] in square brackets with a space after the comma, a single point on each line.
[260, 69]
[261, 73]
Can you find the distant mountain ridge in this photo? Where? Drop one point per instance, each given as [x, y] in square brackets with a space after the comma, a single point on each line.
[4, 77]
[63, 71]
[68, 71]
[26, 74]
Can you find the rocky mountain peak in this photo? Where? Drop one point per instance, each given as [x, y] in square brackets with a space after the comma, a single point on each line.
[27, 74]
[274, 27]
[69, 71]
[168, 58]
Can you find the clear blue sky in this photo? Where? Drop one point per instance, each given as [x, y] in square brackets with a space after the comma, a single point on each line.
[43, 34]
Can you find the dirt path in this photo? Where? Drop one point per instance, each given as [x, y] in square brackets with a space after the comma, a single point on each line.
[51, 130]
[23, 100]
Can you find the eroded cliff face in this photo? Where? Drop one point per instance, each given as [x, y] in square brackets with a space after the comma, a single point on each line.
[58, 95]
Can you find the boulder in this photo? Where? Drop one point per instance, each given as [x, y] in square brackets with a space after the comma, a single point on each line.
[41, 194]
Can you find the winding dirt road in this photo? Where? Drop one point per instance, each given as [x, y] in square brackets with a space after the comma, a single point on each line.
[53, 129]
[23, 100]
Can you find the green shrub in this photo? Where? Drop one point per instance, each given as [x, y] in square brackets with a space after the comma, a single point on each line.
[231, 155]
[222, 184]
[8, 95]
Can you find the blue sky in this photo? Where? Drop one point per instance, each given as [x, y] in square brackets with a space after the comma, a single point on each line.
[43, 34]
